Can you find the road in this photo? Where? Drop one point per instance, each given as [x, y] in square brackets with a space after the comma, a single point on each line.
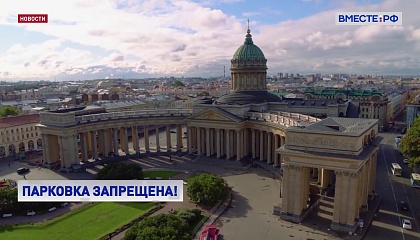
[394, 189]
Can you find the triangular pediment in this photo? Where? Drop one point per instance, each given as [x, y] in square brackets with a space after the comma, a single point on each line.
[215, 115]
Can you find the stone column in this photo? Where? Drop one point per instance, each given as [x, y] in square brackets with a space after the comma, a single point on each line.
[257, 143]
[253, 143]
[61, 150]
[222, 142]
[126, 148]
[198, 140]
[189, 137]
[261, 145]
[101, 142]
[218, 143]
[67, 150]
[95, 145]
[105, 142]
[123, 139]
[245, 147]
[135, 137]
[116, 144]
[211, 142]
[228, 147]
[157, 139]
[83, 146]
[208, 142]
[168, 138]
[146, 138]
[53, 144]
[45, 148]
[179, 134]
[238, 145]
[276, 155]
[295, 192]
[269, 147]
[345, 202]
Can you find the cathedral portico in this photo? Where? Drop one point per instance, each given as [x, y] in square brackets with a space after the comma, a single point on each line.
[345, 162]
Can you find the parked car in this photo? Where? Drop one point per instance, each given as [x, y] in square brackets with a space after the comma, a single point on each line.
[404, 206]
[405, 160]
[406, 224]
[23, 170]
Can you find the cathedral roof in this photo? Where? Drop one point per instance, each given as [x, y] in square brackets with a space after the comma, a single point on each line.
[248, 51]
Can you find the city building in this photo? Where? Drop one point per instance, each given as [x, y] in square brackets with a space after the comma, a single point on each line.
[244, 124]
[370, 104]
[413, 110]
[397, 103]
[19, 134]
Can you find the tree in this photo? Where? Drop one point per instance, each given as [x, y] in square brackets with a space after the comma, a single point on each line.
[159, 227]
[204, 93]
[120, 171]
[206, 189]
[177, 84]
[9, 111]
[189, 215]
[409, 144]
[74, 91]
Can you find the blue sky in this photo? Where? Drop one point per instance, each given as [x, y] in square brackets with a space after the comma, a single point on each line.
[87, 39]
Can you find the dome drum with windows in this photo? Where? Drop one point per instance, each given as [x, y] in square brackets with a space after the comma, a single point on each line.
[248, 76]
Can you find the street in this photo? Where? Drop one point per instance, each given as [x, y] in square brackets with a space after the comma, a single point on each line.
[394, 189]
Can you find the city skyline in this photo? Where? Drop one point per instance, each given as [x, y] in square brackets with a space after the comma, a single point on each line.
[135, 39]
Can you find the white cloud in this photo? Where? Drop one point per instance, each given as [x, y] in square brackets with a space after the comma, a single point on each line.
[190, 38]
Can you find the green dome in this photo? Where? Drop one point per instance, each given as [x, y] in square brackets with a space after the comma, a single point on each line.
[248, 51]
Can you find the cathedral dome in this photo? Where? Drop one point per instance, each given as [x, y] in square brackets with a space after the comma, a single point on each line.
[248, 51]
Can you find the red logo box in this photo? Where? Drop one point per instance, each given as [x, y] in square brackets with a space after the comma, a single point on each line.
[32, 18]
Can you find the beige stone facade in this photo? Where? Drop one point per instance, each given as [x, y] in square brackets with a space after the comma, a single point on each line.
[19, 134]
[246, 124]
[340, 150]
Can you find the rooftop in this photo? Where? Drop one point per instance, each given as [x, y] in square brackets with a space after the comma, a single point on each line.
[362, 156]
[338, 125]
[248, 51]
[18, 120]
[347, 92]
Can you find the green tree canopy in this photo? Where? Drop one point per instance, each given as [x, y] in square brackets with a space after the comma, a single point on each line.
[8, 111]
[206, 189]
[9, 203]
[409, 145]
[177, 84]
[159, 227]
[120, 171]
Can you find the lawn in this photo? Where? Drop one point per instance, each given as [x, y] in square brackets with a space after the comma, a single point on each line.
[91, 222]
[162, 174]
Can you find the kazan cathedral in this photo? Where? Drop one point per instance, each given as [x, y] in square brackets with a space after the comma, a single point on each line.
[247, 123]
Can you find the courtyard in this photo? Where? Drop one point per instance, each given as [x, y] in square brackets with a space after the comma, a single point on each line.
[255, 191]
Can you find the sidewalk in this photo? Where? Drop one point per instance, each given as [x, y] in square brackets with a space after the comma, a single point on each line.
[214, 216]
[367, 218]
[40, 218]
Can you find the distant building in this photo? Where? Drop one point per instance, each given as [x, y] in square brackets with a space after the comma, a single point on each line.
[19, 134]
[371, 104]
[413, 110]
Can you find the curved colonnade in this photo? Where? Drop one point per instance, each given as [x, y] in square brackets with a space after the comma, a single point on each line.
[71, 139]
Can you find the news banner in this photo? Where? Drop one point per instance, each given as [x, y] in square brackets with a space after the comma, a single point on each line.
[100, 190]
